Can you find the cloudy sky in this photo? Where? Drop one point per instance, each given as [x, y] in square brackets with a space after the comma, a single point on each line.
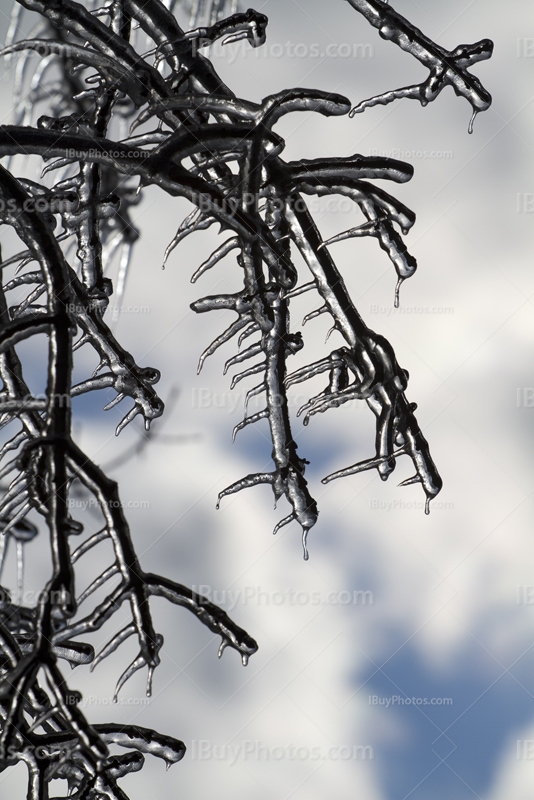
[398, 661]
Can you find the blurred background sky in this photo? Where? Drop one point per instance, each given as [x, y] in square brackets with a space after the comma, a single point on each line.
[393, 604]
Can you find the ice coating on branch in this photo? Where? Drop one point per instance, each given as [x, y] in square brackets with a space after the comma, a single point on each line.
[77, 237]
[67, 299]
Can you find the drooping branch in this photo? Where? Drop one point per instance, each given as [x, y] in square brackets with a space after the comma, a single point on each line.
[221, 153]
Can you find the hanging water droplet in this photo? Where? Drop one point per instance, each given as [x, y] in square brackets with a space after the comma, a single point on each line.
[397, 290]
[149, 681]
[470, 128]
[304, 543]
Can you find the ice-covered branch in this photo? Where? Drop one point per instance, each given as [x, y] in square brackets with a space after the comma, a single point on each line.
[221, 153]
[446, 67]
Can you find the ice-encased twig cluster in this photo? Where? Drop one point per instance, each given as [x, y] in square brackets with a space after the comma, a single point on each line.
[40, 721]
[258, 204]
[221, 153]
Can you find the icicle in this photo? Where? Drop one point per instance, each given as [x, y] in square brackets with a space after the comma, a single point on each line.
[121, 278]
[411, 481]
[3, 551]
[137, 664]
[283, 522]
[113, 644]
[127, 419]
[115, 402]
[98, 582]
